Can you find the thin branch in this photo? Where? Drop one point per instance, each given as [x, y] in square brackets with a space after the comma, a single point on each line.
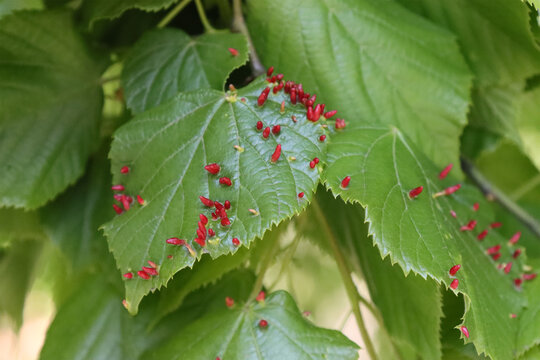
[204, 20]
[350, 287]
[491, 192]
[239, 25]
[525, 188]
[265, 264]
[168, 18]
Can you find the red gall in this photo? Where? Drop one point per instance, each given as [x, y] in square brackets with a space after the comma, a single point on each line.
[300, 90]
[279, 77]
[211, 232]
[476, 206]
[282, 107]
[201, 242]
[529, 277]
[125, 202]
[445, 171]
[345, 182]
[515, 238]
[309, 114]
[175, 241]
[301, 195]
[266, 132]
[293, 118]
[507, 268]
[117, 208]
[259, 125]
[128, 275]
[322, 138]
[235, 242]
[214, 216]
[261, 296]
[495, 225]
[218, 205]
[276, 154]
[169, 256]
[312, 164]
[454, 284]
[229, 301]
[276, 129]
[142, 274]
[469, 227]
[264, 95]
[212, 168]
[150, 270]
[513, 316]
[253, 211]
[201, 235]
[270, 71]
[124, 303]
[316, 160]
[454, 269]
[203, 218]
[482, 235]
[225, 222]
[518, 282]
[206, 202]
[329, 114]
[293, 96]
[453, 213]
[140, 200]
[263, 324]
[493, 250]
[465, 331]
[227, 205]
[225, 181]
[415, 192]
[118, 187]
[124, 169]
[152, 264]
[233, 52]
[496, 256]
[448, 190]
[516, 253]
[118, 197]
[340, 123]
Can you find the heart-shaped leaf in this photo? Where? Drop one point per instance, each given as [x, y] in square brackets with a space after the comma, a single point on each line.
[165, 62]
[167, 149]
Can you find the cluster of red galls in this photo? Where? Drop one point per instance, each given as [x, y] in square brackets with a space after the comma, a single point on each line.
[123, 199]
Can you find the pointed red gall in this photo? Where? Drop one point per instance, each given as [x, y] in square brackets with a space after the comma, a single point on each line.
[200, 241]
[261, 296]
[263, 324]
[150, 270]
[340, 123]
[118, 197]
[254, 212]
[203, 218]
[169, 256]
[454, 284]
[143, 274]
[300, 90]
[516, 253]
[482, 235]
[276, 129]
[454, 269]
[293, 96]
[235, 242]
[233, 51]
[206, 202]
[476, 206]
[229, 302]
[495, 225]
[264, 95]
[128, 275]
[529, 277]
[124, 169]
[125, 202]
[470, 226]
[507, 268]
[465, 331]
[211, 232]
[276, 154]
[493, 250]
[329, 114]
[317, 112]
[259, 125]
[266, 132]
[176, 241]
[214, 216]
[322, 138]
[140, 200]
[448, 190]
[225, 222]
[309, 114]
[518, 282]
[312, 164]
[152, 264]
[345, 182]
[415, 192]
[513, 316]
[201, 235]
[445, 171]
[279, 77]
[453, 213]
[212, 168]
[225, 181]
[301, 195]
[117, 208]
[316, 160]
[496, 256]
[270, 71]
[515, 238]
[118, 187]
[227, 205]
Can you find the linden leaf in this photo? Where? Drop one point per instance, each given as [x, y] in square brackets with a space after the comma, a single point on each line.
[109, 9]
[167, 148]
[421, 235]
[288, 335]
[51, 106]
[372, 61]
[165, 62]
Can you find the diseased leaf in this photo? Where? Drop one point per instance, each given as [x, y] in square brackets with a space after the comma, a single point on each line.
[51, 106]
[372, 60]
[421, 235]
[72, 221]
[529, 320]
[94, 10]
[165, 62]
[288, 335]
[167, 149]
[410, 306]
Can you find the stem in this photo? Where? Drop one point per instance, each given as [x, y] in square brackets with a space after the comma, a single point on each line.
[239, 24]
[491, 192]
[265, 264]
[288, 257]
[204, 20]
[350, 287]
[167, 19]
[525, 188]
[109, 79]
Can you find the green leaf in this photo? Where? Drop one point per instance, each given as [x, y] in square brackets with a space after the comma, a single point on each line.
[288, 335]
[528, 123]
[494, 34]
[9, 6]
[410, 306]
[167, 149]
[72, 221]
[165, 62]
[529, 320]
[94, 10]
[51, 106]
[421, 235]
[19, 225]
[17, 262]
[373, 61]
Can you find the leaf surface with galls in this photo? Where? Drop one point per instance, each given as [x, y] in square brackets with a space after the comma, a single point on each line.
[421, 234]
[167, 149]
